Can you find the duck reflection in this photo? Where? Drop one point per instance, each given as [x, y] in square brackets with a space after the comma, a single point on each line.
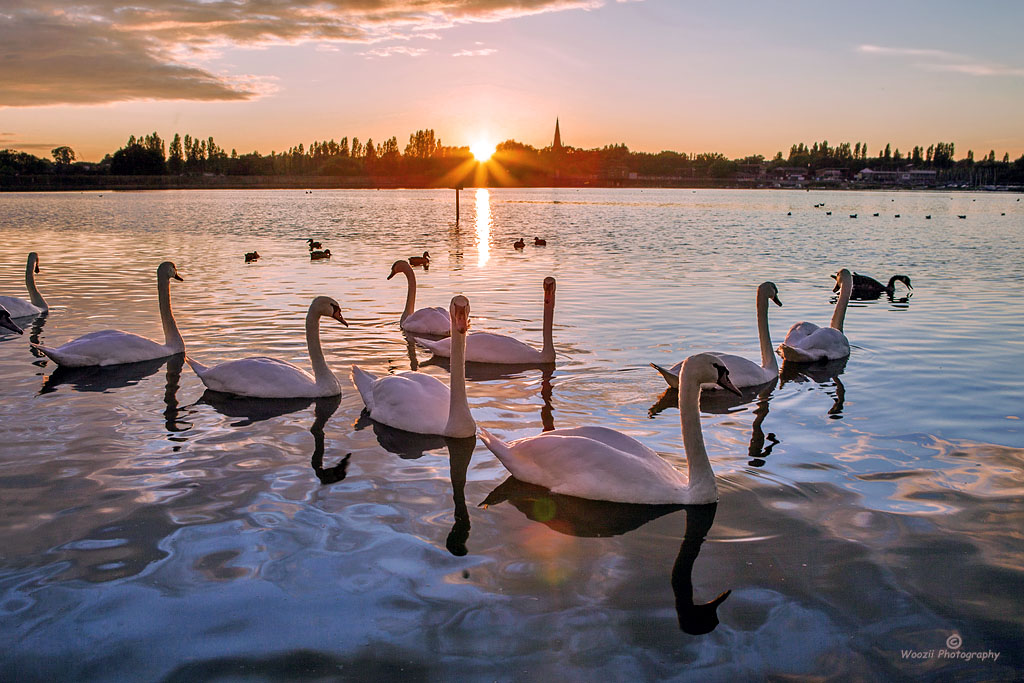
[591, 518]
[821, 373]
[757, 451]
[409, 446]
[104, 378]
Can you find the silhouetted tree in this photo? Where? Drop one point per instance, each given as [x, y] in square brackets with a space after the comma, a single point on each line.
[63, 155]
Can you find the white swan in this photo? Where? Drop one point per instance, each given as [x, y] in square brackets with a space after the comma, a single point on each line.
[263, 377]
[743, 372]
[806, 342]
[602, 464]
[6, 322]
[434, 320]
[486, 347]
[19, 308]
[419, 403]
[113, 347]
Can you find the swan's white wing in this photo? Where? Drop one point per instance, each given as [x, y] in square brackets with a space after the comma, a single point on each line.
[364, 385]
[742, 372]
[486, 347]
[798, 332]
[435, 321]
[823, 343]
[261, 377]
[587, 468]
[107, 347]
[609, 437]
[19, 308]
[412, 401]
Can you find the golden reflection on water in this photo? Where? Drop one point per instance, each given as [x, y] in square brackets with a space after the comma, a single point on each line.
[483, 226]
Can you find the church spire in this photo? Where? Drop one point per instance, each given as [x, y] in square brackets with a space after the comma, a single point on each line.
[557, 146]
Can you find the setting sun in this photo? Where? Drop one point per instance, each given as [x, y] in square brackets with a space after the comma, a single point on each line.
[482, 151]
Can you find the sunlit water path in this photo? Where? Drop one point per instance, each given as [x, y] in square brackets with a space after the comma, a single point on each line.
[868, 508]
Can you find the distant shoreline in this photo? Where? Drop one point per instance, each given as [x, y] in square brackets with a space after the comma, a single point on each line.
[77, 183]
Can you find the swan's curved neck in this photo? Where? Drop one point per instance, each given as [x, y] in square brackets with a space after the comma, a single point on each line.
[839, 315]
[172, 338]
[410, 296]
[548, 349]
[460, 420]
[321, 371]
[30, 284]
[701, 477]
[768, 361]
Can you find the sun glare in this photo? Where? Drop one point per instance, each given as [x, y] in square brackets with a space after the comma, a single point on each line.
[482, 151]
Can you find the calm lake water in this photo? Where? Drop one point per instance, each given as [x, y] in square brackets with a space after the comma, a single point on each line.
[870, 509]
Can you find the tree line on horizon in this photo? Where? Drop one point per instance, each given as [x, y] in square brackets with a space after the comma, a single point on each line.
[426, 161]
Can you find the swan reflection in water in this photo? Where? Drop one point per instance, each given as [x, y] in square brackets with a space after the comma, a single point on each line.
[822, 373]
[723, 403]
[410, 446]
[105, 378]
[259, 409]
[590, 518]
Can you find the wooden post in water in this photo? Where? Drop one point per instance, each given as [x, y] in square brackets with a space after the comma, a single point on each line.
[457, 188]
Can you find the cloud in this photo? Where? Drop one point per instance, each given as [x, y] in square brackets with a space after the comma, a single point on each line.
[481, 52]
[10, 141]
[100, 51]
[941, 60]
[394, 50]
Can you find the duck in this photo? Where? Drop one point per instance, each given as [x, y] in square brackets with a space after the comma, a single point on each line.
[743, 372]
[432, 320]
[317, 255]
[251, 256]
[19, 308]
[519, 243]
[313, 244]
[928, 217]
[263, 377]
[540, 242]
[864, 286]
[7, 323]
[417, 402]
[875, 215]
[853, 215]
[599, 463]
[487, 347]
[962, 215]
[420, 260]
[806, 342]
[828, 213]
[114, 347]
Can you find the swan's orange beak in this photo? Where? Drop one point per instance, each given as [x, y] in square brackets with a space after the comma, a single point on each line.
[337, 316]
[777, 300]
[177, 277]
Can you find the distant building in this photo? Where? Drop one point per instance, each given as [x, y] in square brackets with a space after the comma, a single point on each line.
[830, 175]
[907, 176]
[556, 146]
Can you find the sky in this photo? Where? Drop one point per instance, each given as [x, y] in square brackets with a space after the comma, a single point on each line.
[733, 77]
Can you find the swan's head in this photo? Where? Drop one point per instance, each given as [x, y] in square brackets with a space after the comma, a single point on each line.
[895, 278]
[327, 307]
[426, 255]
[33, 261]
[5, 321]
[167, 270]
[842, 277]
[770, 291]
[459, 311]
[400, 266]
[704, 368]
[549, 291]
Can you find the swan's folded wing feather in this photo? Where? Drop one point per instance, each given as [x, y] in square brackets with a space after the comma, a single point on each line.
[261, 377]
[413, 401]
[578, 466]
[434, 320]
[107, 347]
[19, 308]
